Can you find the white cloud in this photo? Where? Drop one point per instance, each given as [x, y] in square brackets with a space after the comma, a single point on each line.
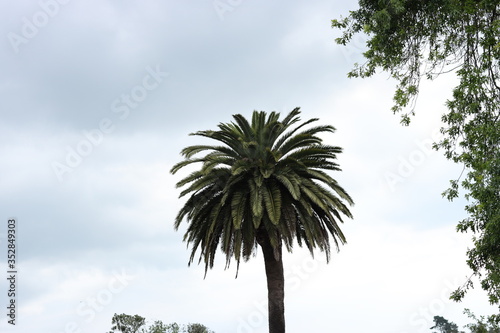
[115, 209]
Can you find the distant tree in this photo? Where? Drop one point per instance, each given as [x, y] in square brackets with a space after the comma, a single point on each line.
[127, 324]
[482, 324]
[159, 327]
[490, 324]
[442, 325]
[173, 328]
[131, 324]
[197, 328]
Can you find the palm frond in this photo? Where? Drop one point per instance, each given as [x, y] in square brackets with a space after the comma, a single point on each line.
[272, 201]
[264, 178]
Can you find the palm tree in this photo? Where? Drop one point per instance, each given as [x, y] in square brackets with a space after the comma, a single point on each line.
[264, 184]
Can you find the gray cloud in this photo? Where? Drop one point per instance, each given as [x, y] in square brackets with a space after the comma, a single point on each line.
[87, 138]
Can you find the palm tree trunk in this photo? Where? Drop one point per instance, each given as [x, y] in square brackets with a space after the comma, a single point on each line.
[275, 285]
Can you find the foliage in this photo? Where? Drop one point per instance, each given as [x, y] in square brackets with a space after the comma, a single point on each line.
[131, 324]
[442, 325]
[262, 180]
[414, 39]
[159, 327]
[482, 324]
[489, 324]
[127, 324]
[197, 328]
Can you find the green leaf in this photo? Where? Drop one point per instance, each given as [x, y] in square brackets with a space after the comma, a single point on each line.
[272, 200]
[238, 204]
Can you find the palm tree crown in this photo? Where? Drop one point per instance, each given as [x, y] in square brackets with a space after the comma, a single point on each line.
[264, 179]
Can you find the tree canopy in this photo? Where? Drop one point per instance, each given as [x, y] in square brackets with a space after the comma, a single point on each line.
[265, 176]
[480, 324]
[264, 182]
[125, 323]
[489, 324]
[442, 325]
[415, 39]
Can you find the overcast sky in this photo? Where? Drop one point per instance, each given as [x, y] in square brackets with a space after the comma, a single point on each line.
[97, 98]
